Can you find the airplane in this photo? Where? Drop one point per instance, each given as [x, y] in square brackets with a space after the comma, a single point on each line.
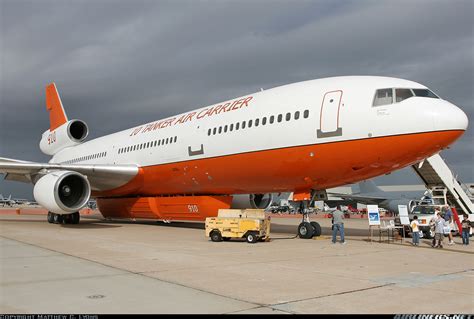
[302, 137]
[8, 201]
[369, 193]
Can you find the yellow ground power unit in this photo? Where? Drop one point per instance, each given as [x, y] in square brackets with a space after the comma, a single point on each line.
[250, 224]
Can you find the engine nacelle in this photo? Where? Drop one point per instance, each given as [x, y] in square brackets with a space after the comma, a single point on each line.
[62, 192]
[70, 133]
[255, 201]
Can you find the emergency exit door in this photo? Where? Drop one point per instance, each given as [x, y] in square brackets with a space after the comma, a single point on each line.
[329, 116]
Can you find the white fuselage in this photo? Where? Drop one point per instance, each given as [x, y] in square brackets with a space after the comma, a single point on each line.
[340, 108]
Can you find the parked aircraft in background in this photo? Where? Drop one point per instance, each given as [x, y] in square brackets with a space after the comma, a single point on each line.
[7, 201]
[367, 192]
[10, 201]
[304, 138]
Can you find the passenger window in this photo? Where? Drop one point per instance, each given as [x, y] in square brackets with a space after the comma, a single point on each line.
[297, 115]
[231, 127]
[220, 129]
[243, 124]
[402, 94]
[237, 126]
[225, 128]
[159, 142]
[272, 119]
[214, 131]
[383, 97]
[256, 122]
[264, 121]
[280, 117]
[208, 132]
[288, 116]
[167, 140]
[306, 114]
[250, 123]
[162, 141]
[175, 139]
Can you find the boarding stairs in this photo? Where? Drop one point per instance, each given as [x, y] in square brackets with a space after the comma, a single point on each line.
[436, 173]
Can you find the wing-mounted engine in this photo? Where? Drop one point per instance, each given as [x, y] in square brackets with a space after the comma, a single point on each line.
[71, 133]
[260, 201]
[62, 192]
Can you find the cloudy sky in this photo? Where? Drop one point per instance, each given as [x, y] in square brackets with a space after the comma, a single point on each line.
[119, 63]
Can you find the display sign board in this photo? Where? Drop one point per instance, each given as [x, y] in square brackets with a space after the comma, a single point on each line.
[403, 213]
[373, 214]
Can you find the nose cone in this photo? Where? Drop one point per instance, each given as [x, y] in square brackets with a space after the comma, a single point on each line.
[448, 117]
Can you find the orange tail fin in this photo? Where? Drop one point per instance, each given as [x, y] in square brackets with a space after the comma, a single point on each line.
[57, 116]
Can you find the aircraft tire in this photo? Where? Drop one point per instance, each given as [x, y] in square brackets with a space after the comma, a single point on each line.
[316, 229]
[66, 219]
[57, 218]
[50, 217]
[75, 218]
[305, 230]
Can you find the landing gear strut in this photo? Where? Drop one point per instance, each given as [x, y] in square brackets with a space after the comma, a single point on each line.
[307, 229]
[73, 218]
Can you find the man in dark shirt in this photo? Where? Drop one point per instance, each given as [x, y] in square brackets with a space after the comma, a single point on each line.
[466, 229]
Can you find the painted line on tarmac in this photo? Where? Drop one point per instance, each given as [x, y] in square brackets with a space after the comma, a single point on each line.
[330, 295]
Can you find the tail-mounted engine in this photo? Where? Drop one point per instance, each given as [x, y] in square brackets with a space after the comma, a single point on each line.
[62, 192]
[71, 133]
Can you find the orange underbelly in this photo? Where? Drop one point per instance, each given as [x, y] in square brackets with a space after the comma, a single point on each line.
[318, 166]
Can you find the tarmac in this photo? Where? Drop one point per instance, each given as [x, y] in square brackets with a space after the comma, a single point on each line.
[143, 267]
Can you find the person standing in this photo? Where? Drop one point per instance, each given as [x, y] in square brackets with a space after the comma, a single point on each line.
[338, 225]
[448, 217]
[439, 230]
[415, 231]
[466, 228]
[432, 225]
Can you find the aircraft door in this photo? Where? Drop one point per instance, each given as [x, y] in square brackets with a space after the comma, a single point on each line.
[329, 116]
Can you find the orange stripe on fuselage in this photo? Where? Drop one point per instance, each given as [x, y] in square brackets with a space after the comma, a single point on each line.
[287, 169]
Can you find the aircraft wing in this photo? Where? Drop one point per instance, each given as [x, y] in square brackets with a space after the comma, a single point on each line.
[360, 198]
[101, 176]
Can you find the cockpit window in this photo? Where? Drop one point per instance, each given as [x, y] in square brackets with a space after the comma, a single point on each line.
[383, 97]
[402, 94]
[425, 93]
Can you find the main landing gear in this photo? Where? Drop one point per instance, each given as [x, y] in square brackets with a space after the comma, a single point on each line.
[308, 229]
[54, 218]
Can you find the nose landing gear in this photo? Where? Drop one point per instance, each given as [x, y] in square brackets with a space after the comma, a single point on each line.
[308, 229]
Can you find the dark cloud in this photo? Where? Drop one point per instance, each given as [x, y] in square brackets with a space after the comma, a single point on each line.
[120, 63]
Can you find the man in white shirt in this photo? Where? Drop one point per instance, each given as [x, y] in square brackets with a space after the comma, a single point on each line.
[415, 231]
